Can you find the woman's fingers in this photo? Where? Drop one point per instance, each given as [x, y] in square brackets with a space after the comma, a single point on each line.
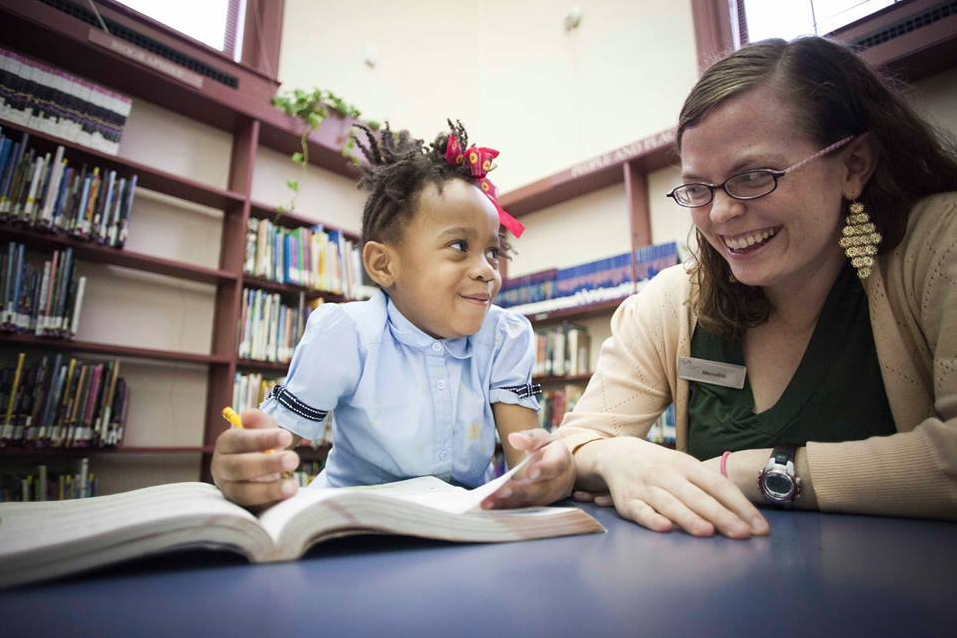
[643, 514]
[678, 512]
[730, 499]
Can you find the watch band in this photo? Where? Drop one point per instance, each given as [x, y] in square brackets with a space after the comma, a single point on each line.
[782, 454]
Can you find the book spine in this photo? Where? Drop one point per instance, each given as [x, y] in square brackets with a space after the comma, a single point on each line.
[8, 418]
[77, 307]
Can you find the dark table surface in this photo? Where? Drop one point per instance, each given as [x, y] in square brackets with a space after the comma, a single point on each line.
[815, 575]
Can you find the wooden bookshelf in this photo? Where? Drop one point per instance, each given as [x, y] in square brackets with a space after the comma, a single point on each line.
[93, 252]
[571, 378]
[255, 365]
[309, 453]
[120, 449]
[53, 36]
[289, 219]
[31, 342]
[577, 313]
[148, 177]
[290, 289]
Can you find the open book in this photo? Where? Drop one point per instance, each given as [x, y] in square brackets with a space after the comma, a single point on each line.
[42, 540]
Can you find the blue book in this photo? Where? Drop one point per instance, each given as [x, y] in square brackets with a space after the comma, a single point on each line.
[61, 197]
[6, 145]
[16, 156]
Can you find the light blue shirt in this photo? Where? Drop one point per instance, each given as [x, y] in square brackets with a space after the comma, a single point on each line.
[405, 404]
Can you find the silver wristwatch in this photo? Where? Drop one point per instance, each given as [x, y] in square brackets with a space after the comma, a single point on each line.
[778, 481]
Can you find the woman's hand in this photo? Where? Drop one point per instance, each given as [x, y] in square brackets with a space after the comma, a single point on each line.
[547, 478]
[242, 469]
[661, 488]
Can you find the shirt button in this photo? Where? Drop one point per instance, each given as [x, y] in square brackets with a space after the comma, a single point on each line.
[440, 384]
[436, 346]
[444, 455]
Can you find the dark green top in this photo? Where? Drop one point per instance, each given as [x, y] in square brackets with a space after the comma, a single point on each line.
[836, 393]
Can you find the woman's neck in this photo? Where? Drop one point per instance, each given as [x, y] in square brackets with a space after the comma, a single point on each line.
[798, 302]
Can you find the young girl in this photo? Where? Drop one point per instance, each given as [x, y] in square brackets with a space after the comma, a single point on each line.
[420, 374]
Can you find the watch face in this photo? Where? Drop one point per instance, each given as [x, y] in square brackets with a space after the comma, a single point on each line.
[778, 484]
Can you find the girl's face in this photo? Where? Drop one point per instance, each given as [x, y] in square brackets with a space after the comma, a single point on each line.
[446, 264]
[788, 238]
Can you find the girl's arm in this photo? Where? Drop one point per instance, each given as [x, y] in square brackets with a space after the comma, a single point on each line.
[511, 418]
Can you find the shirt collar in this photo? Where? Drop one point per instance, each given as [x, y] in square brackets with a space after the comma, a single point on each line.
[408, 334]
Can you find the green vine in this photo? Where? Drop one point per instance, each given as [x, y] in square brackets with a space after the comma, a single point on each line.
[311, 108]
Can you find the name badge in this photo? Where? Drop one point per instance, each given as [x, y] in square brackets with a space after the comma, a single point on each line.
[723, 374]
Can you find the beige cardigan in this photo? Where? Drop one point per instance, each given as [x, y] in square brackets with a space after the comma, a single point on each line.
[912, 296]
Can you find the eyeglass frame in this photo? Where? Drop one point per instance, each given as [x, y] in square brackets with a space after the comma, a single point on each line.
[775, 175]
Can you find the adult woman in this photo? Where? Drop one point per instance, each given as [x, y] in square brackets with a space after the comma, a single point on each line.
[855, 365]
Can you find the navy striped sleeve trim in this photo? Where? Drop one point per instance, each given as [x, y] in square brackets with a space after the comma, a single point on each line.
[289, 401]
[524, 391]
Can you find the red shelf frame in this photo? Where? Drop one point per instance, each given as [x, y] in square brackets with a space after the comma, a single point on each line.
[80, 451]
[93, 252]
[290, 289]
[571, 378]
[578, 312]
[262, 366]
[26, 341]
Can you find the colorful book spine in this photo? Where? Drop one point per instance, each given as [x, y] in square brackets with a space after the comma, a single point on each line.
[47, 194]
[47, 99]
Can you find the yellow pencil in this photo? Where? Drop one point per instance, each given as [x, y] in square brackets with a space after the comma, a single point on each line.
[233, 417]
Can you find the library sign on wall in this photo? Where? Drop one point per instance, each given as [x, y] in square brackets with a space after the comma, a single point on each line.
[623, 154]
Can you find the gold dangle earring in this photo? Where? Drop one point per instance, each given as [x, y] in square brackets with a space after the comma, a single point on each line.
[860, 239]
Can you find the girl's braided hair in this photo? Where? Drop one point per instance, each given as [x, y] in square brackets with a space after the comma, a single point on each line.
[398, 166]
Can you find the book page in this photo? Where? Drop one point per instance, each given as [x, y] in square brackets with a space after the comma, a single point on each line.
[45, 524]
[480, 493]
[425, 490]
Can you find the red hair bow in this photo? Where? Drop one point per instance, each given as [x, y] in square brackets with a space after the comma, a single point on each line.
[479, 160]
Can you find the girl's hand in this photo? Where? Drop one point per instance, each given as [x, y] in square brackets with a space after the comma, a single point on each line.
[661, 488]
[547, 478]
[244, 472]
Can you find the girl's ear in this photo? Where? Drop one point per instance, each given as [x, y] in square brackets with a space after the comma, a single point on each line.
[381, 262]
[860, 161]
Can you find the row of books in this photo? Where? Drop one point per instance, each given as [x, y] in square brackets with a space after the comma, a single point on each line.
[62, 402]
[43, 485]
[250, 389]
[562, 350]
[307, 471]
[45, 193]
[41, 300]
[269, 329]
[310, 257]
[47, 99]
[593, 282]
[555, 402]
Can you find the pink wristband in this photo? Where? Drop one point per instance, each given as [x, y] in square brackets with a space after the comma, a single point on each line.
[724, 463]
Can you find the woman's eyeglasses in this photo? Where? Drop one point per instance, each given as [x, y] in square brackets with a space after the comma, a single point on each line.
[747, 185]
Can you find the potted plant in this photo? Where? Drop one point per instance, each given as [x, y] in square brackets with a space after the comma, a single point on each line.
[322, 111]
